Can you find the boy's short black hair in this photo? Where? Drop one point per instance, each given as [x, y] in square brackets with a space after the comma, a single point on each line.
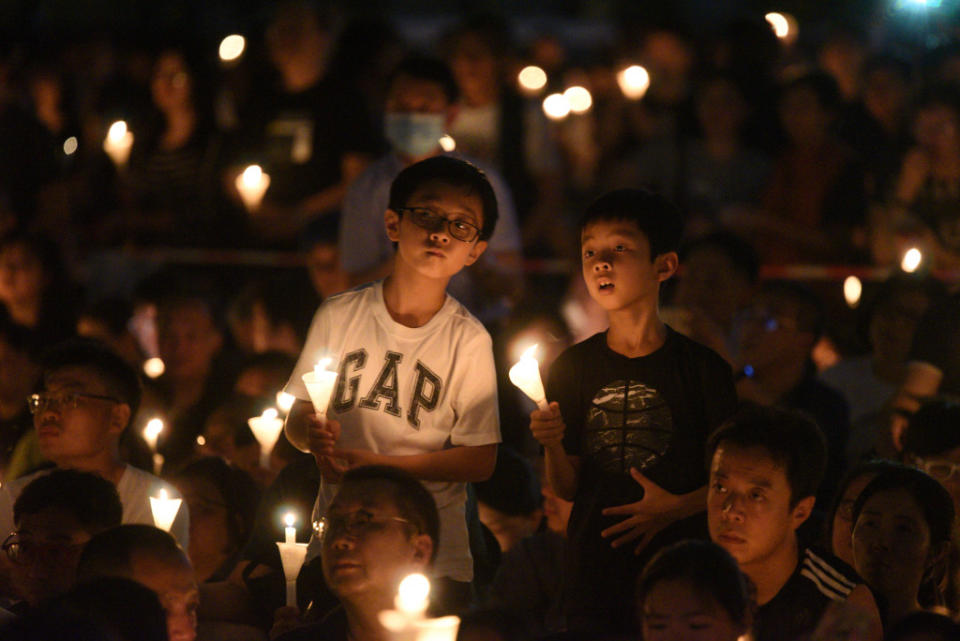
[790, 438]
[412, 500]
[92, 500]
[119, 377]
[655, 216]
[934, 500]
[430, 69]
[808, 305]
[111, 553]
[934, 429]
[707, 568]
[448, 171]
[741, 254]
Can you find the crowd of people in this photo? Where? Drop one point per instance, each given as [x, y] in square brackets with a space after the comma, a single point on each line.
[722, 448]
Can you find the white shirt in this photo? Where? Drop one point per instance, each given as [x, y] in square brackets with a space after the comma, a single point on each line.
[404, 390]
[135, 488]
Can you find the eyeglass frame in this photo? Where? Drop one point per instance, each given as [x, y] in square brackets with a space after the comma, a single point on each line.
[350, 529]
[925, 464]
[436, 227]
[40, 402]
[14, 542]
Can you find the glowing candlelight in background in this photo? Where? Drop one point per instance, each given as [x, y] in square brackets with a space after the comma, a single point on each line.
[911, 260]
[408, 620]
[784, 26]
[151, 434]
[579, 99]
[154, 367]
[525, 374]
[266, 428]
[231, 47]
[164, 510]
[852, 291]
[285, 401]
[70, 145]
[532, 79]
[118, 143]
[556, 106]
[447, 143]
[413, 595]
[320, 384]
[252, 184]
[292, 555]
[289, 532]
[634, 82]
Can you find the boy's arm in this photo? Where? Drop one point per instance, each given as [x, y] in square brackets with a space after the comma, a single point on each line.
[463, 463]
[563, 470]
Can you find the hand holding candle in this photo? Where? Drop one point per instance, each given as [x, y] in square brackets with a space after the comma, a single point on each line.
[320, 384]
[525, 374]
[266, 428]
[164, 510]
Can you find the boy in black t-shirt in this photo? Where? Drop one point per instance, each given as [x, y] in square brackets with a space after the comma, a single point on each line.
[765, 467]
[632, 409]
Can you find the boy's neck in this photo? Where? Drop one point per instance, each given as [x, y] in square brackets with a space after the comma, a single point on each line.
[769, 575]
[411, 299]
[636, 332]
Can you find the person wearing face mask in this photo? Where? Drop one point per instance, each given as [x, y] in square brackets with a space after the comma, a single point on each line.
[420, 107]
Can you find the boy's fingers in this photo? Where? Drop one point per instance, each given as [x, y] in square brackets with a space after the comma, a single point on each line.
[629, 509]
[622, 526]
[632, 535]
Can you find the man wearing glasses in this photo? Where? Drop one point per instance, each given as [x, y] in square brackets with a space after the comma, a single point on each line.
[381, 526]
[87, 399]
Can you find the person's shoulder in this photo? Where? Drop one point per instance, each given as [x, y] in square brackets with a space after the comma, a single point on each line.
[361, 294]
[459, 317]
[137, 481]
[830, 576]
[685, 346]
[15, 487]
[576, 353]
[381, 171]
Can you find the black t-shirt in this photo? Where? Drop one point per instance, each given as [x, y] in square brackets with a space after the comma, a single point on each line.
[937, 341]
[653, 413]
[795, 611]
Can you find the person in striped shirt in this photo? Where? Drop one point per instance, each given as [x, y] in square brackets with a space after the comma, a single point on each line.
[766, 465]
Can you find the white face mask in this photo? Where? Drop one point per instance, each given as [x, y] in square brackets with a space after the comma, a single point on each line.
[414, 134]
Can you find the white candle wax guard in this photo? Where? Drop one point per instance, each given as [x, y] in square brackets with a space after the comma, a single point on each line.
[292, 556]
[266, 428]
[252, 185]
[320, 382]
[525, 374]
[164, 510]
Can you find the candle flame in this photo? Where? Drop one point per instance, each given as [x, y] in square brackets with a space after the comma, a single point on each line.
[117, 131]
[556, 106]
[285, 401]
[852, 290]
[532, 78]
[232, 47]
[634, 81]
[252, 176]
[911, 260]
[321, 365]
[530, 352]
[289, 519]
[579, 99]
[270, 412]
[163, 495]
[412, 594]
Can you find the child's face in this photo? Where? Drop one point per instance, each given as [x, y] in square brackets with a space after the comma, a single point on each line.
[676, 610]
[748, 505]
[617, 265]
[435, 252]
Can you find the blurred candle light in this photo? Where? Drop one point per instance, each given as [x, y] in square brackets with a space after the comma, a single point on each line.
[579, 98]
[292, 555]
[285, 401]
[532, 79]
[154, 367]
[201, 441]
[118, 143]
[784, 26]
[289, 532]
[320, 384]
[852, 291]
[164, 510]
[447, 143]
[151, 433]
[634, 82]
[70, 145]
[413, 596]
[911, 260]
[556, 106]
[252, 185]
[231, 47]
[266, 428]
[525, 374]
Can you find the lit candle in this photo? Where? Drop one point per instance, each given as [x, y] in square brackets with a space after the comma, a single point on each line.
[151, 433]
[532, 79]
[231, 47]
[154, 367]
[911, 260]
[292, 555]
[852, 291]
[164, 510]
[118, 143]
[525, 374]
[634, 82]
[407, 621]
[556, 106]
[579, 99]
[266, 428]
[252, 184]
[320, 384]
[285, 401]
[289, 532]
[413, 596]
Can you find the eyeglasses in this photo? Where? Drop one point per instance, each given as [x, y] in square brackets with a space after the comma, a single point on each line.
[940, 470]
[71, 400]
[356, 524]
[18, 549]
[434, 221]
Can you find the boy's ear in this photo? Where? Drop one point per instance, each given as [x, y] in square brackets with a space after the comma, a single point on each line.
[802, 510]
[119, 418]
[391, 221]
[667, 264]
[422, 548]
[476, 252]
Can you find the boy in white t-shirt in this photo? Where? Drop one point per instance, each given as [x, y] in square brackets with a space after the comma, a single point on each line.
[416, 387]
